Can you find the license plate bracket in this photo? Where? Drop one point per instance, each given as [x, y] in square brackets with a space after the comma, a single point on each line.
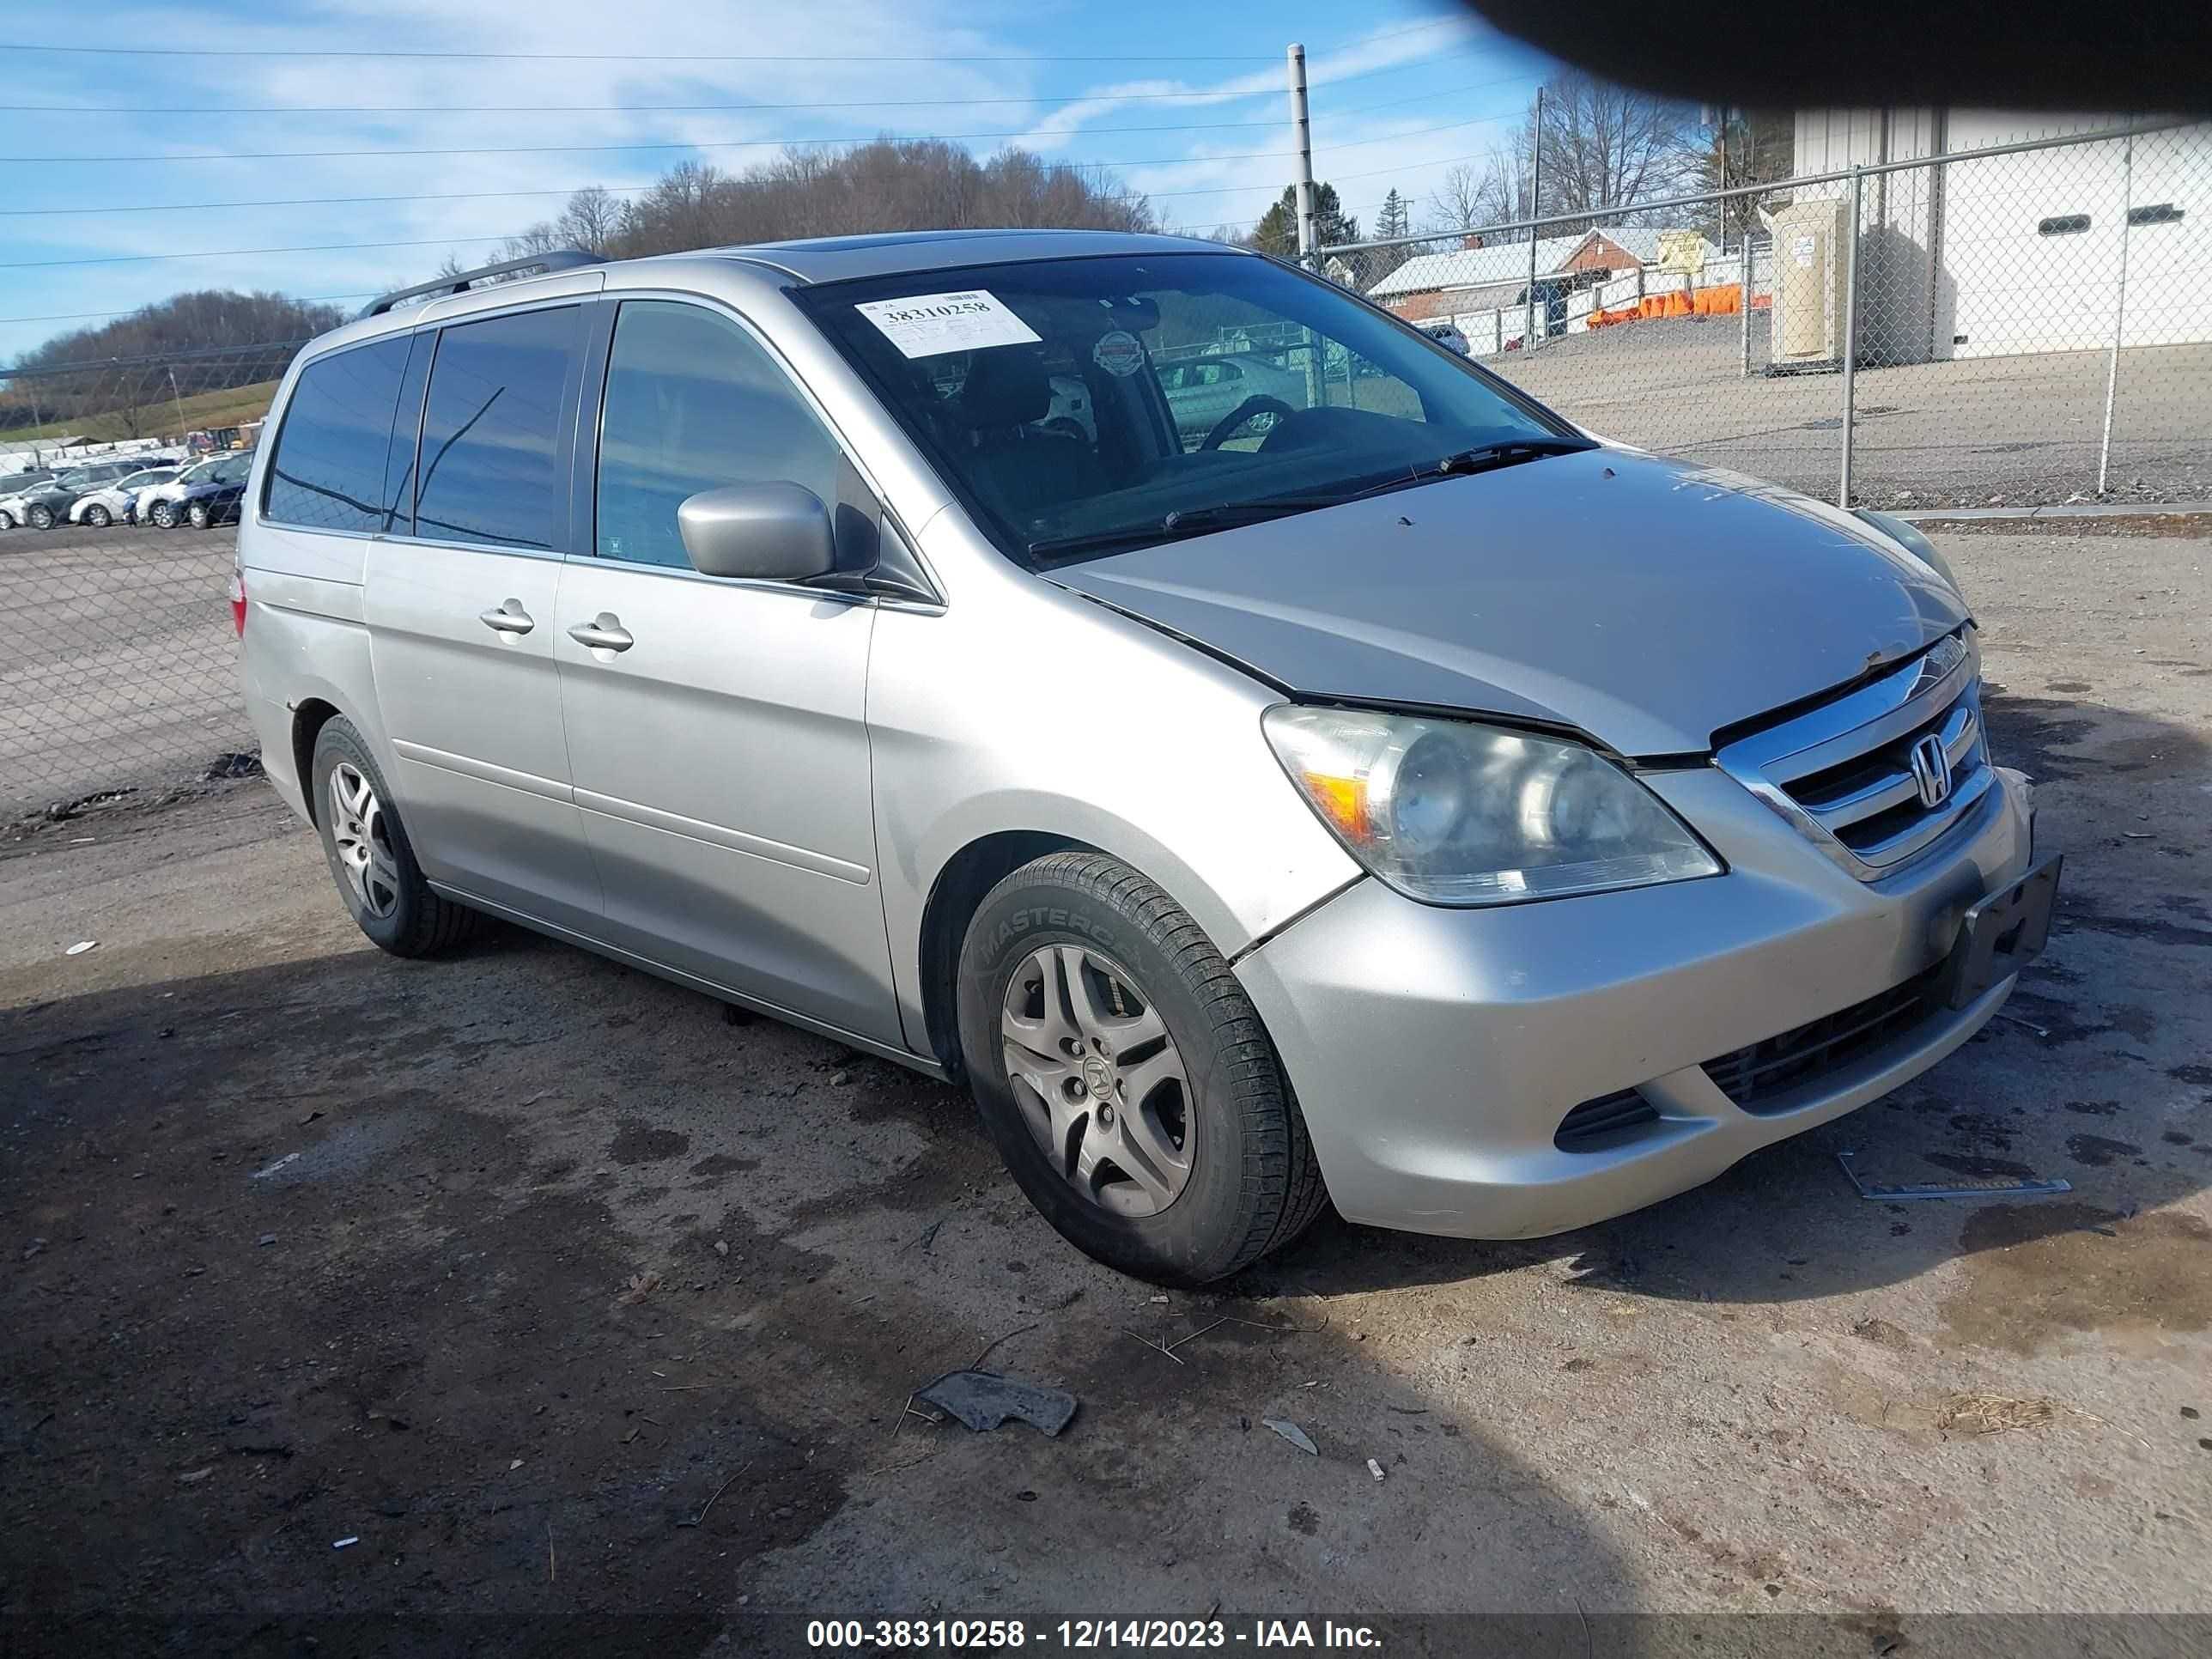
[2002, 933]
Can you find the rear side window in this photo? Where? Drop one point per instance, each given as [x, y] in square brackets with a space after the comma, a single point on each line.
[491, 452]
[694, 403]
[328, 470]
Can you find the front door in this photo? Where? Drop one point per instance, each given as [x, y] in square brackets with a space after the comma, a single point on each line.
[717, 730]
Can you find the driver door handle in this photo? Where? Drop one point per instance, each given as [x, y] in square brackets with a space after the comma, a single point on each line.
[507, 618]
[605, 632]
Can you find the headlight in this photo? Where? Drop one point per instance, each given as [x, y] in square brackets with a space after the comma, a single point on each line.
[1912, 542]
[1451, 812]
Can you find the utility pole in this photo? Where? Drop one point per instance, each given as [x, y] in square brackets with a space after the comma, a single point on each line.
[177, 398]
[1302, 140]
[2119, 308]
[1535, 212]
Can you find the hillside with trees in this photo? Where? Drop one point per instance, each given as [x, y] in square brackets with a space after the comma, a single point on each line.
[888, 185]
[186, 331]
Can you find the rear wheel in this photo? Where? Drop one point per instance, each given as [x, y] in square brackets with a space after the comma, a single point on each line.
[370, 855]
[1126, 1078]
[42, 517]
[6, 521]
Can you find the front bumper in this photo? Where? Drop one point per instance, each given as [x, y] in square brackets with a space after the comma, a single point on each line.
[1435, 1052]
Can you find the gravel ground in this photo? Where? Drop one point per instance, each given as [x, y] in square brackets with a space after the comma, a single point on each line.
[513, 1268]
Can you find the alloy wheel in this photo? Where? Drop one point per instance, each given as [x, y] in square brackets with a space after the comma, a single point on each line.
[96, 517]
[362, 837]
[1099, 1081]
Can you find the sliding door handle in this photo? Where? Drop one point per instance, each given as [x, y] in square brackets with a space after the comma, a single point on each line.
[509, 618]
[605, 632]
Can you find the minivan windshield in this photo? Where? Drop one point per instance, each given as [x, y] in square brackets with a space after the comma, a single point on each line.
[1085, 406]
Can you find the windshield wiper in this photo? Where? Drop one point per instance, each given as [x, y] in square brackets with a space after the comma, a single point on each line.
[1183, 521]
[1485, 457]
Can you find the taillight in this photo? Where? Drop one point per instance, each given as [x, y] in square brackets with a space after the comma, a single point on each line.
[238, 602]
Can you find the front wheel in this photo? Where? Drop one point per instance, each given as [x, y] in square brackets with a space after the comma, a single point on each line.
[164, 516]
[98, 517]
[1125, 1077]
[370, 855]
[198, 515]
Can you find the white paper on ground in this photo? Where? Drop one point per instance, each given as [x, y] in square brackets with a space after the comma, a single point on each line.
[931, 325]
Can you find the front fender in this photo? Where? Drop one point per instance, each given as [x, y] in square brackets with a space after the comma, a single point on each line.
[1024, 708]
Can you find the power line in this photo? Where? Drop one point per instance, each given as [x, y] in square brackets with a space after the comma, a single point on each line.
[572, 150]
[88, 316]
[1214, 96]
[1224, 190]
[618, 190]
[653, 57]
[737, 143]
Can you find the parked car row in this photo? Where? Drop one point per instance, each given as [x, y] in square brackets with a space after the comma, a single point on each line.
[156, 489]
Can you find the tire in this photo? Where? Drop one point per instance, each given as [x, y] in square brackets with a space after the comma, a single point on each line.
[388, 900]
[6, 521]
[99, 517]
[42, 517]
[164, 515]
[198, 515]
[1249, 1182]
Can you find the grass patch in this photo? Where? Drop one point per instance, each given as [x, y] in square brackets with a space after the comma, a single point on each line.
[157, 417]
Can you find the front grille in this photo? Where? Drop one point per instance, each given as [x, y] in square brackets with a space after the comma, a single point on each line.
[1602, 1122]
[1758, 1077]
[1844, 772]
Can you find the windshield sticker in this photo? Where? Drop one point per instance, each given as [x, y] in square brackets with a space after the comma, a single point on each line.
[931, 325]
[1120, 353]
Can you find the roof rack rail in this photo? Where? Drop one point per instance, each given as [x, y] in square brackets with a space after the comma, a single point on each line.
[564, 259]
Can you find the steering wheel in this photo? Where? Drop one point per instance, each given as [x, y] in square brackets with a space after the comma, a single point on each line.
[1258, 404]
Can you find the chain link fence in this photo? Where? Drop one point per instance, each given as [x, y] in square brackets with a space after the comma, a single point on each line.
[2016, 323]
[120, 485]
[1998, 324]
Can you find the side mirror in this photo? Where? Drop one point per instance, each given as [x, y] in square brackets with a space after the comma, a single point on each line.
[778, 532]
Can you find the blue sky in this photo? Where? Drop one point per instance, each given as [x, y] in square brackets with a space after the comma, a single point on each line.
[1399, 92]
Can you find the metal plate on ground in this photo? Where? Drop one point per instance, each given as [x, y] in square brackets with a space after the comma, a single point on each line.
[1995, 1187]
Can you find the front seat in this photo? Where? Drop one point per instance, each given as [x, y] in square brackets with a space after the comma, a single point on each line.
[1019, 468]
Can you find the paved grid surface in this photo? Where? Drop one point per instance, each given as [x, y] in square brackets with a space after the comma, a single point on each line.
[2017, 431]
[504, 1265]
[119, 667]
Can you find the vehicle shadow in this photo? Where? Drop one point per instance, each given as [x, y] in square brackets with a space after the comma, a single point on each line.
[518, 1303]
[2095, 1072]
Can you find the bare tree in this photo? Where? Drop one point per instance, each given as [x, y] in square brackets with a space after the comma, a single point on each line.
[1604, 147]
[590, 220]
[1472, 195]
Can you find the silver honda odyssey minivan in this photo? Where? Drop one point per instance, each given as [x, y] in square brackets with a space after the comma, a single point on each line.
[1387, 795]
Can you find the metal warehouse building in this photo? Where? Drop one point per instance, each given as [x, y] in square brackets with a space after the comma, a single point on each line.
[2056, 249]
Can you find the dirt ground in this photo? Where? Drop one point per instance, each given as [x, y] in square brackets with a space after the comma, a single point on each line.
[519, 1302]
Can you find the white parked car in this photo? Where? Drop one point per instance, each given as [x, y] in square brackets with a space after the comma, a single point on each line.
[119, 500]
[168, 504]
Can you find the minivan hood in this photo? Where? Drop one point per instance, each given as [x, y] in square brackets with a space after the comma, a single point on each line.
[1647, 603]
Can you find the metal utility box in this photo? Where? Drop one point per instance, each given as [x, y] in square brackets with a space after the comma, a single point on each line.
[1812, 251]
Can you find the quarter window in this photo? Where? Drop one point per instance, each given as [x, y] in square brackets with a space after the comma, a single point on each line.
[491, 430]
[328, 470]
[693, 403]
